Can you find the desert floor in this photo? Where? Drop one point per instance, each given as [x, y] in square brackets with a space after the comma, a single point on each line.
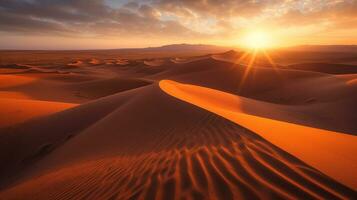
[167, 125]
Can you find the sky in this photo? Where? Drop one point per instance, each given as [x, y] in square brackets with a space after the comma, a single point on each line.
[107, 24]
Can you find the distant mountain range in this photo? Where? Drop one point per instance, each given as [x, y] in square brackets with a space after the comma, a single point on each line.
[184, 47]
[324, 48]
[203, 47]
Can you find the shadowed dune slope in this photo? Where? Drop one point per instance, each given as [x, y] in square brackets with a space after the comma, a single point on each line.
[305, 97]
[145, 144]
[330, 68]
[317, 147]
[69, 88]
[104, 87]
[154, 63]
[262, 83]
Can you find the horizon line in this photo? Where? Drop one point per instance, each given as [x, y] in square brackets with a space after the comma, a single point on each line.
[173, 44]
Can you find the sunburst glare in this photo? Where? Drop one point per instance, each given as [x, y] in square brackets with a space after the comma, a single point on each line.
[257, 40]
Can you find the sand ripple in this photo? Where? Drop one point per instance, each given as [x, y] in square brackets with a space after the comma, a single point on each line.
[233, 164]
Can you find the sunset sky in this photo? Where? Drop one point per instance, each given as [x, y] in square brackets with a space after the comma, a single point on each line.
[96, 24]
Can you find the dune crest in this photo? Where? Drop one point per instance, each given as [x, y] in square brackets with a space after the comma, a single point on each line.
[154, 63]
[75, 63]
[13, 95]
[317, 147]
[14, 111]
[185, 153]
[7, 81]
[94, 61]
[121, 62]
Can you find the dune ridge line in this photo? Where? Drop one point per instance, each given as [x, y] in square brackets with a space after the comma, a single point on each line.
[317, 147]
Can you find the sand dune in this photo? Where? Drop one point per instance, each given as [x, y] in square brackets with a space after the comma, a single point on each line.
[134, 136]
[188, 60]
[104, 87]
[330, 68]
[75, 63]
[121, 62]
[201, 156]
[14, 66]
[303, 96]
[7, 81]
[14, 111]
[352, 82]
[94, 61]
[320, 149]
[154, 63]
[44, 87]
[229, 56]
[13, 95]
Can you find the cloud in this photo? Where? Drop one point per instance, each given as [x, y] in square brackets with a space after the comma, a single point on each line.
[78, 17]
[191, 19]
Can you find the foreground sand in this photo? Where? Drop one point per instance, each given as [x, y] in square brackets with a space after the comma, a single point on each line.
[100, 128]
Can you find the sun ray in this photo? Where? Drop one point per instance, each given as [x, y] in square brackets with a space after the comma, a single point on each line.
[240, 59]
[270, 60]
[247, 69]
[273, 64]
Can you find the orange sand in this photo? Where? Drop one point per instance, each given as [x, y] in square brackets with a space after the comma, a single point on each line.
[14, 111]
[131, 139]
[7, 81]
[331, 152]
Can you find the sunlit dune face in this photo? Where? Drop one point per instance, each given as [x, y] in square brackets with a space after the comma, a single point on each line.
[257, 40]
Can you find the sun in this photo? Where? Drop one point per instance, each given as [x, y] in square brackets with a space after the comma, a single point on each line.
[257, 40]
